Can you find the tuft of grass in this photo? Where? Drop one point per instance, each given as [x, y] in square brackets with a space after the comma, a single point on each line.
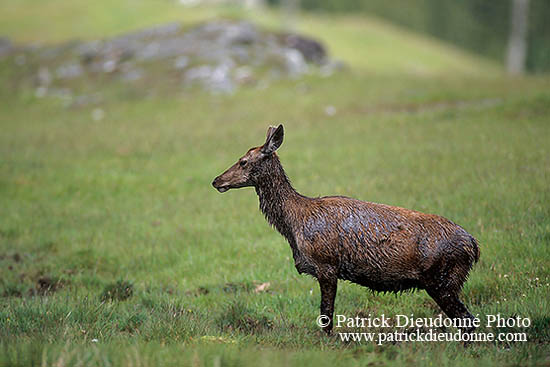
[119, 291]
[12, 290]
[238, 317]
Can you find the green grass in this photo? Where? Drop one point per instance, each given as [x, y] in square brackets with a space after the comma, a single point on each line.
[115, 249]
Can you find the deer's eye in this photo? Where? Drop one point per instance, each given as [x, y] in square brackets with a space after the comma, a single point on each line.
[243, 163]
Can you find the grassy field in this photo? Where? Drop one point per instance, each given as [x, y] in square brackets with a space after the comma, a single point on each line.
[116, 250]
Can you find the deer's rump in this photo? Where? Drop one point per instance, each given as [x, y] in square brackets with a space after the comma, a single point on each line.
[383, 247]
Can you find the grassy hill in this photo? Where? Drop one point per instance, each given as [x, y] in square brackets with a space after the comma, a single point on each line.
[115, 249]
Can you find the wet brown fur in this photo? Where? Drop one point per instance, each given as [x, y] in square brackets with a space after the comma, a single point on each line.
[382, 247]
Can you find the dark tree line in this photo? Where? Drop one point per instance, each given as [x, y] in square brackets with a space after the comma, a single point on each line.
[481, 26]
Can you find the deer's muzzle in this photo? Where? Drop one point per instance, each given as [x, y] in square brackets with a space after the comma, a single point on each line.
[218, 186]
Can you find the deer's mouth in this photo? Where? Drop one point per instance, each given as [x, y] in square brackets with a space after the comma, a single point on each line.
[222, 188]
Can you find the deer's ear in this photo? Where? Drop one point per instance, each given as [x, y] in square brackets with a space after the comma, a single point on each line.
[270, 131]
[274, 139]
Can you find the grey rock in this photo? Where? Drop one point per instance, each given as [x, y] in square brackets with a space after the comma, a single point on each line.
[69, 71]
[331, 67]
[109, 66]
[295, 62]
[214, 79]
[244, 75]
[218, 56]
[181, 62]
[311, 50]
[44, 76]
[198, 73]
[132, 75]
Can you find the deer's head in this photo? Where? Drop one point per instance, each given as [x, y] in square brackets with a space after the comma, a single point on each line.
[252, 166]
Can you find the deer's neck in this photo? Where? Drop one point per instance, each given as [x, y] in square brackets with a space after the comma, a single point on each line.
[278, 199]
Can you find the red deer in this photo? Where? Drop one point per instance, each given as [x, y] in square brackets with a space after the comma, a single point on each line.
[382, 247]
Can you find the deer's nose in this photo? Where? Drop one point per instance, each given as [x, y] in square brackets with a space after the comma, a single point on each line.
[215, 181]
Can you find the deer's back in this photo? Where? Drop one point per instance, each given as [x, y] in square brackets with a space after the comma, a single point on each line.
[380, 246]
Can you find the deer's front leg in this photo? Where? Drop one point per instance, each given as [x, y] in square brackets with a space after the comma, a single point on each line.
[328, 284]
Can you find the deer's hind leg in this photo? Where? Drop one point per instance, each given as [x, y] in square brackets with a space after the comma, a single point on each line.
[446, 294]
[453, 307]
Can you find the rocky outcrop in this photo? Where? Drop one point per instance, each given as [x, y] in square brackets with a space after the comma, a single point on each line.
[217, 56]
